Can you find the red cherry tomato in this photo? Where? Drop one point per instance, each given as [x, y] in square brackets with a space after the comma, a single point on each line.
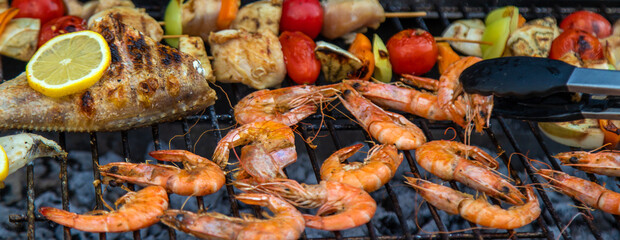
[585, 45]
[301, 63]
[44, 10]
[412, 51]
[305, 16]
[61, 25]
[587, 21]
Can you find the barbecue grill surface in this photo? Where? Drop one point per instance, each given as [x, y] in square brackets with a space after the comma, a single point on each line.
[401, 213]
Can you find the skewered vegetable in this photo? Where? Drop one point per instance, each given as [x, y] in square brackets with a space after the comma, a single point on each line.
[337, 63]
[534, 38]
[469, 29]
[500, 23]
[302, 15]
[58, 26]
[412, 51]
[362, 49]
[173, 22]
[577, 44]
[587, 21]
[43, 10]
[228, 12]
[383, 67]
[301, 63]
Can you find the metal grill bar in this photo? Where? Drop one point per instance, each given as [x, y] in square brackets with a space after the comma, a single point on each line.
[30, 213]
[127, 158]
[157, 144]
[190, 147]
[96, 176]
[64, 186]
[234, 206]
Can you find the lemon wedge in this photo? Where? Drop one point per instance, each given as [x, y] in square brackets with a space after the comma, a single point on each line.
[4, 165]
[68, 63]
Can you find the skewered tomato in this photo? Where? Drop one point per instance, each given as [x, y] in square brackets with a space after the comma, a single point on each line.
[44, 10]
[412, 51]
[586, 46]
[301, 63]
[305, 16]
[587, 21]
[59, 26]
[362, 49]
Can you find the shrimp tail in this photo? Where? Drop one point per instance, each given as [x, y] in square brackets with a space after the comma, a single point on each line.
[59, 216]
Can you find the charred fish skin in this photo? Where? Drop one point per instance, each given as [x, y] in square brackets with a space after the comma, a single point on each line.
[146, 83]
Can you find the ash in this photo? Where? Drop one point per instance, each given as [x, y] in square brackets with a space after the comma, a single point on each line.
[418, 220]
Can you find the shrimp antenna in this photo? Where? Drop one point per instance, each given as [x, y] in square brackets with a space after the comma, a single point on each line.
[570, 222]
[188, 131]
[599, 148]
[225, 95]
[445, 132]
[185, 202]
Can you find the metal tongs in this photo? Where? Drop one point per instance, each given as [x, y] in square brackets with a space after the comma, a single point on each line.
[542, 89]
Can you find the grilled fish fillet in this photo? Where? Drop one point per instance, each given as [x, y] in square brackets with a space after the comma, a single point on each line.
[146, 83]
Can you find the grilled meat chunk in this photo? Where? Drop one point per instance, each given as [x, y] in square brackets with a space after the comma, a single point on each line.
[260, 15]
[344, 16]
[200, 17]
[146, 83]
[254, 59]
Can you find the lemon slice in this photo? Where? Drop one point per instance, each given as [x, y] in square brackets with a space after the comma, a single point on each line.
[4, 165]
[68, 63]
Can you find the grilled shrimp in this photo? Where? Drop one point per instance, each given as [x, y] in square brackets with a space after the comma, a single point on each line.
[448, 160]
[286, 223]
[257, 164]
[450, 90]
[419, 103]
[199, 176]
[604, 163]
[590, 193]
[352, 206]
[140, 209]
[287, 105]
[276, 138]
[376, 170]
[478, 211]
[386, 127]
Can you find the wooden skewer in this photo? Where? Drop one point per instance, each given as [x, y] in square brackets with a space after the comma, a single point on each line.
[174, 36]
[440, 39]
[404, 14]
[162, 23]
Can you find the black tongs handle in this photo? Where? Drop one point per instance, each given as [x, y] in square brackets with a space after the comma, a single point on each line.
[524, 77]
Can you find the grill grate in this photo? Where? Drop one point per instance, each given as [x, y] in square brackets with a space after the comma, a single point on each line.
[438, 15]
